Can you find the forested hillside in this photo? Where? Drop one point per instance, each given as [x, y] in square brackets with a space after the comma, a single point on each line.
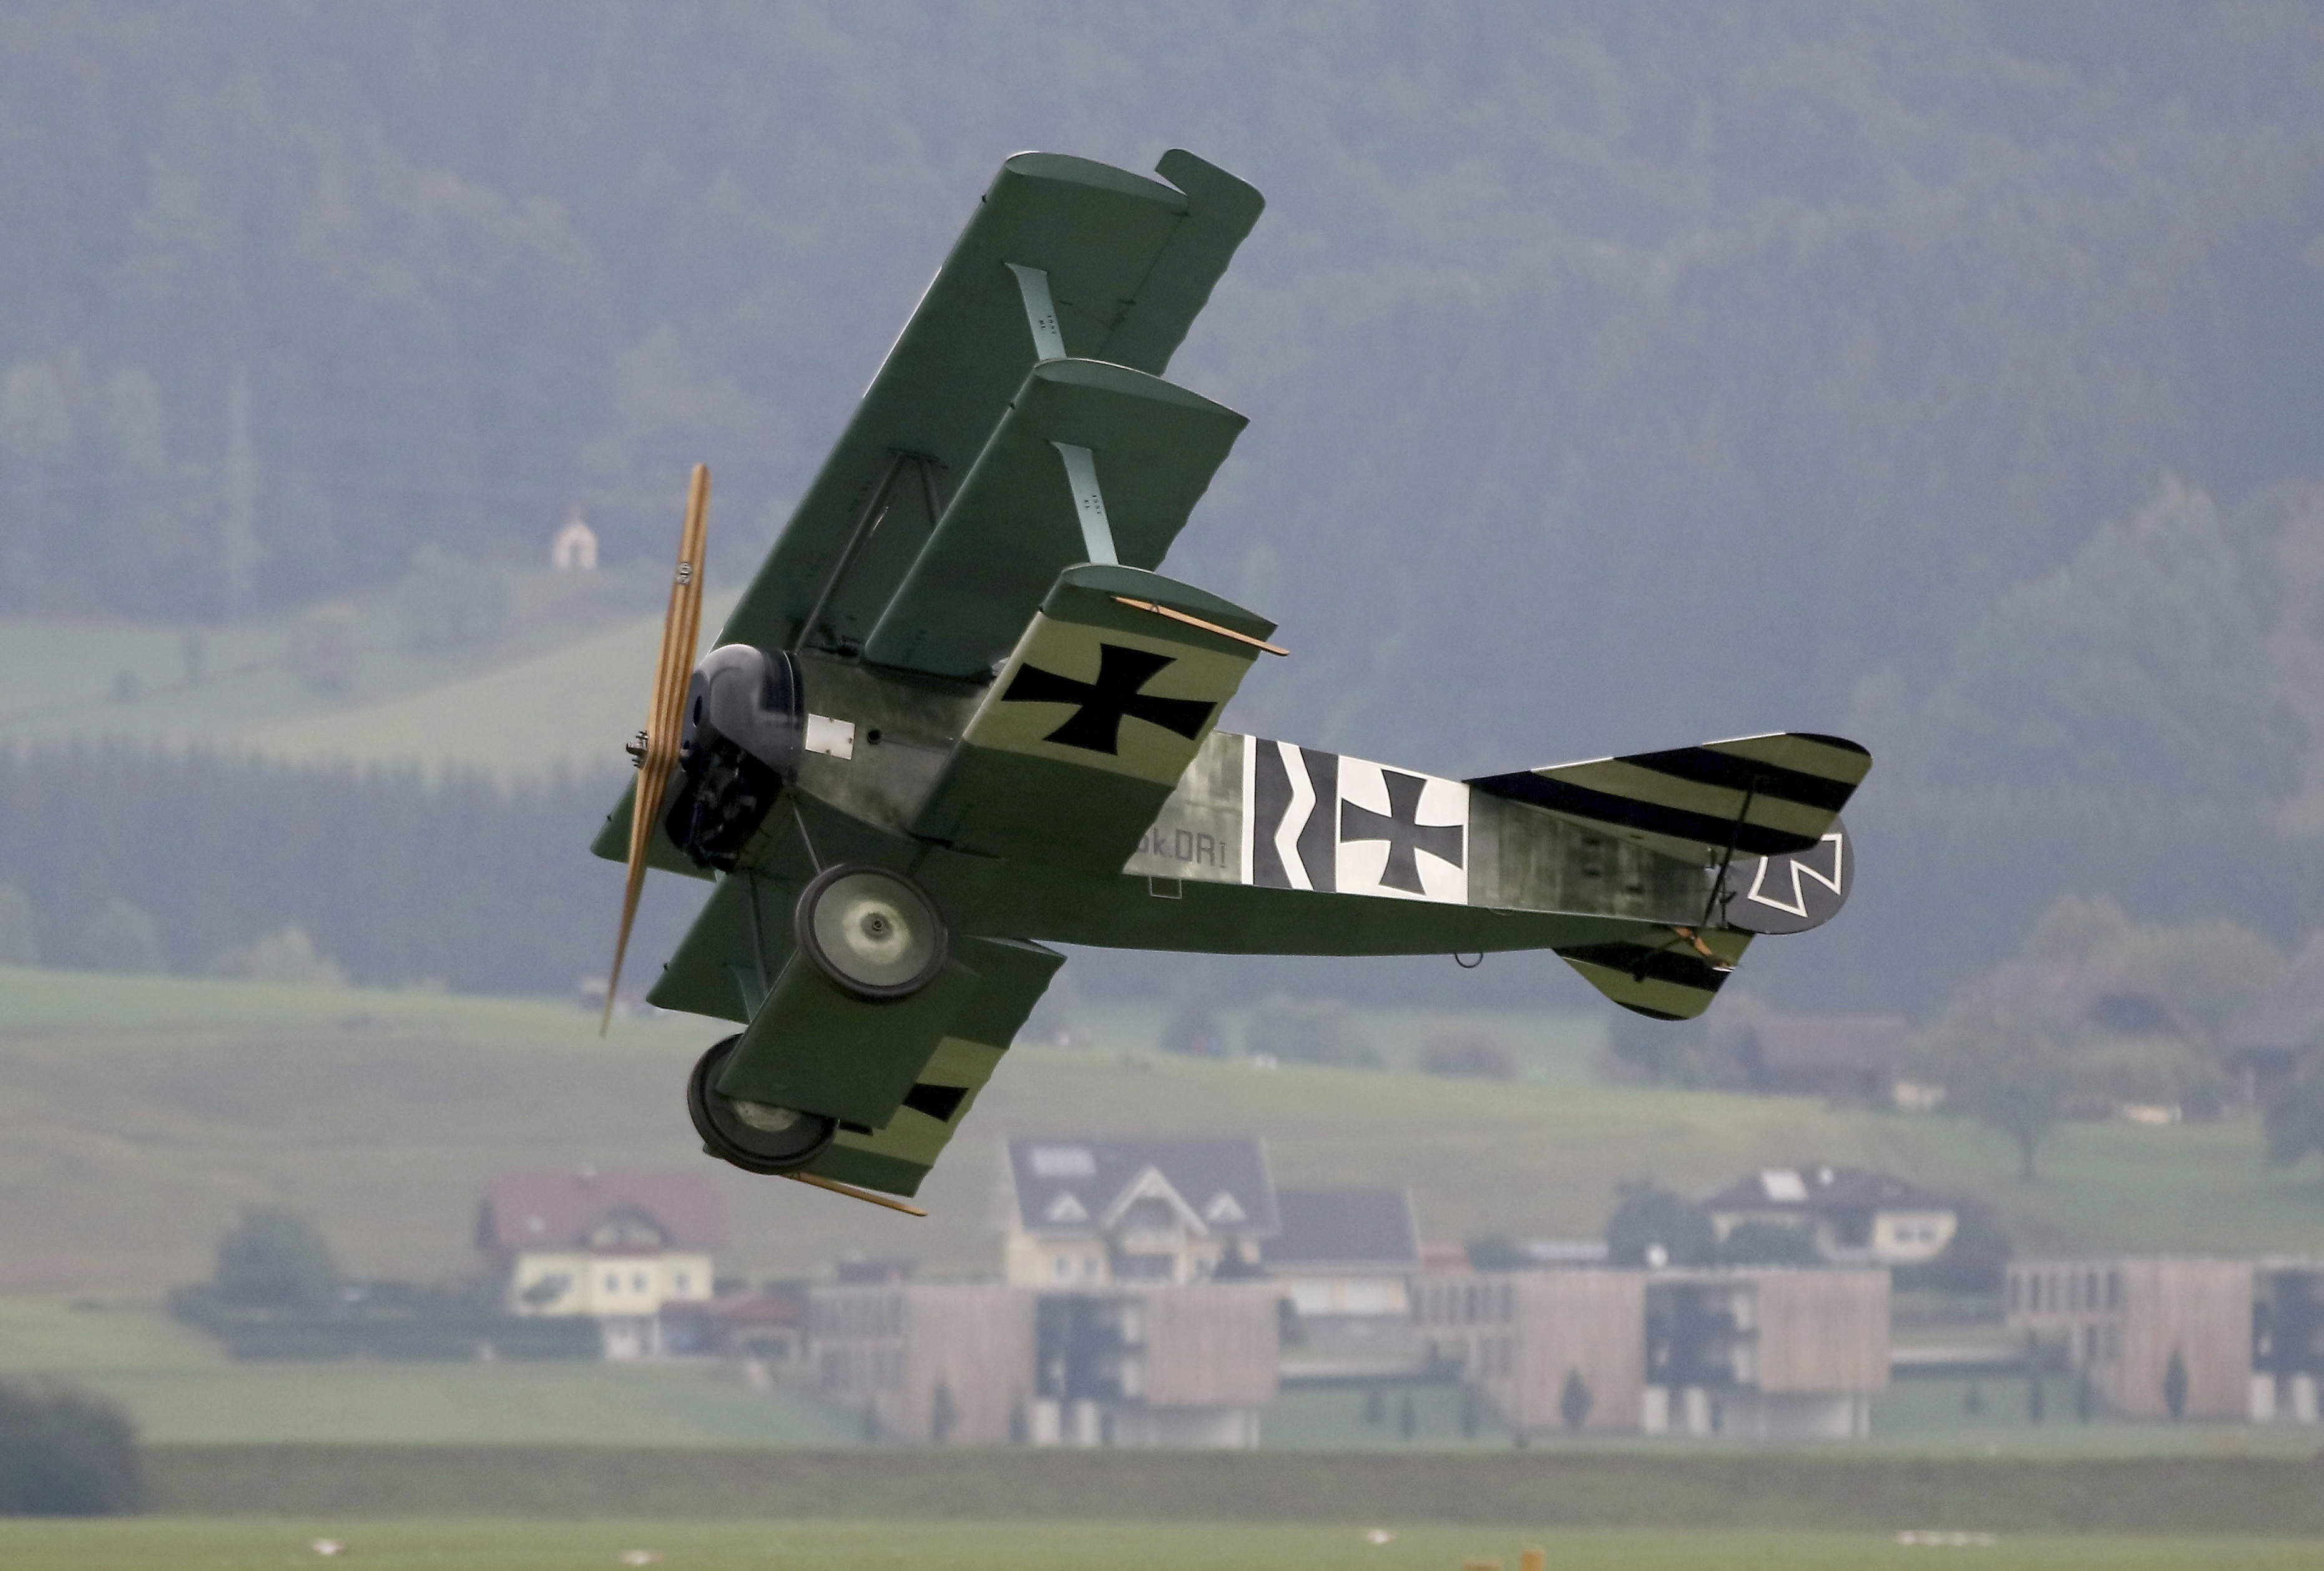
[1619, 374]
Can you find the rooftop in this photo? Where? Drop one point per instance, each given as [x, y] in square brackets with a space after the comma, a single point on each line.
[1823, 1187]
[1345, 1228]
[1082, 1183]
[585, 1208]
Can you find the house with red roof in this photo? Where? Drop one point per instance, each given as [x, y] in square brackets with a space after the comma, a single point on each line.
[619, 1246]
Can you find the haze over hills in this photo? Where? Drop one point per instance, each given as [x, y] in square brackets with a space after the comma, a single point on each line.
[1620, 376]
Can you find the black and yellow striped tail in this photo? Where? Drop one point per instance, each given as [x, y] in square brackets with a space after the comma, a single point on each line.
[1736, 808]
[1755, 796]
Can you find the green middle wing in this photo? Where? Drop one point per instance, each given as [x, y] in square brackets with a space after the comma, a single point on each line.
[1150, 449]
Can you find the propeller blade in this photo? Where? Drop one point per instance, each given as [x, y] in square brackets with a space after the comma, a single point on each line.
[681, 628]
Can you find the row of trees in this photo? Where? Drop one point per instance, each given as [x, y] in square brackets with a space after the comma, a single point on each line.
[130, 859]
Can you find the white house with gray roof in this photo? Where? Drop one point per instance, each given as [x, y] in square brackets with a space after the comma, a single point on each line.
[1856, 1216]
[1094, 1210]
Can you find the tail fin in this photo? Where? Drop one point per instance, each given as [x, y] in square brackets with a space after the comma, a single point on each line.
[1761, 814]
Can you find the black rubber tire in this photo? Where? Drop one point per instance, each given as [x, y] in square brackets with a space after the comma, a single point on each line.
[884, 894]
[727, 1137]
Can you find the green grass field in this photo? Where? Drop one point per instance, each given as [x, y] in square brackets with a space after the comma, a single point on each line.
[201, 1545]
[137, 1115]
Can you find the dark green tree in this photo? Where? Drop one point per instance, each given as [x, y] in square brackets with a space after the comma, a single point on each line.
[944, 1413]
[2174, 1386]
[1973, 1258]
[1192, 1024]
[20, 941]
[2295, 1112]
[121, 937]
[1317, 1032]
[1574, 1400]
[2036, 1398]
[274, 1259]
[1764, 1242]
[1407, 1417]
[1495, 1252]
[65, 1452]
[1649, 1218]
[2008, 1069]
[1375, 1406]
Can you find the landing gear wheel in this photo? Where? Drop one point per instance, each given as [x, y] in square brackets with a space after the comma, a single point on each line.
[874, 933]
[755, 1136]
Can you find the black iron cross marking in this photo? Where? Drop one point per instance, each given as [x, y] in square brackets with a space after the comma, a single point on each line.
[1097, 724]
[1402, 830]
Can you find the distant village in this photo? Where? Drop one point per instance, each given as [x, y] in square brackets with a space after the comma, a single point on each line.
[1165, 1292]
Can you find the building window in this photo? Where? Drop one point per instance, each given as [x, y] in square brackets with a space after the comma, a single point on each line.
[1064, 1268]
[2114, 1289]
[613, 1282]
[636, 1282]
[680, 1283]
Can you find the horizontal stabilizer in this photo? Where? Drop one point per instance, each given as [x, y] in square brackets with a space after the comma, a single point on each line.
[1663, 973]
[1757, 796]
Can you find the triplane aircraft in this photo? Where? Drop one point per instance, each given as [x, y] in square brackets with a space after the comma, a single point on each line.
[959, 712]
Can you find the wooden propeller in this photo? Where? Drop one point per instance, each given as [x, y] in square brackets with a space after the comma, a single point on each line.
[665, 720]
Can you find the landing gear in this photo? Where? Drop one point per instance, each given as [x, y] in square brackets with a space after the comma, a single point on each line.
[755, 1136]
[873, 933]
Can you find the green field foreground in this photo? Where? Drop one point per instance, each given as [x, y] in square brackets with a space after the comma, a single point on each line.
[1092, 1545]
[1771, 1491]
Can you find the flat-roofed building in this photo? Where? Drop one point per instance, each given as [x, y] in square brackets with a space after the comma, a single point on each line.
[2244, 1333]
[1759, 1354]
[974, 1364]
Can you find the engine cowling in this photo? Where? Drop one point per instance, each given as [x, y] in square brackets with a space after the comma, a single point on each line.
[745, 734]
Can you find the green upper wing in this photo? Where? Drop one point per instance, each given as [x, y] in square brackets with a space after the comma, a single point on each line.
[1128, 262]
